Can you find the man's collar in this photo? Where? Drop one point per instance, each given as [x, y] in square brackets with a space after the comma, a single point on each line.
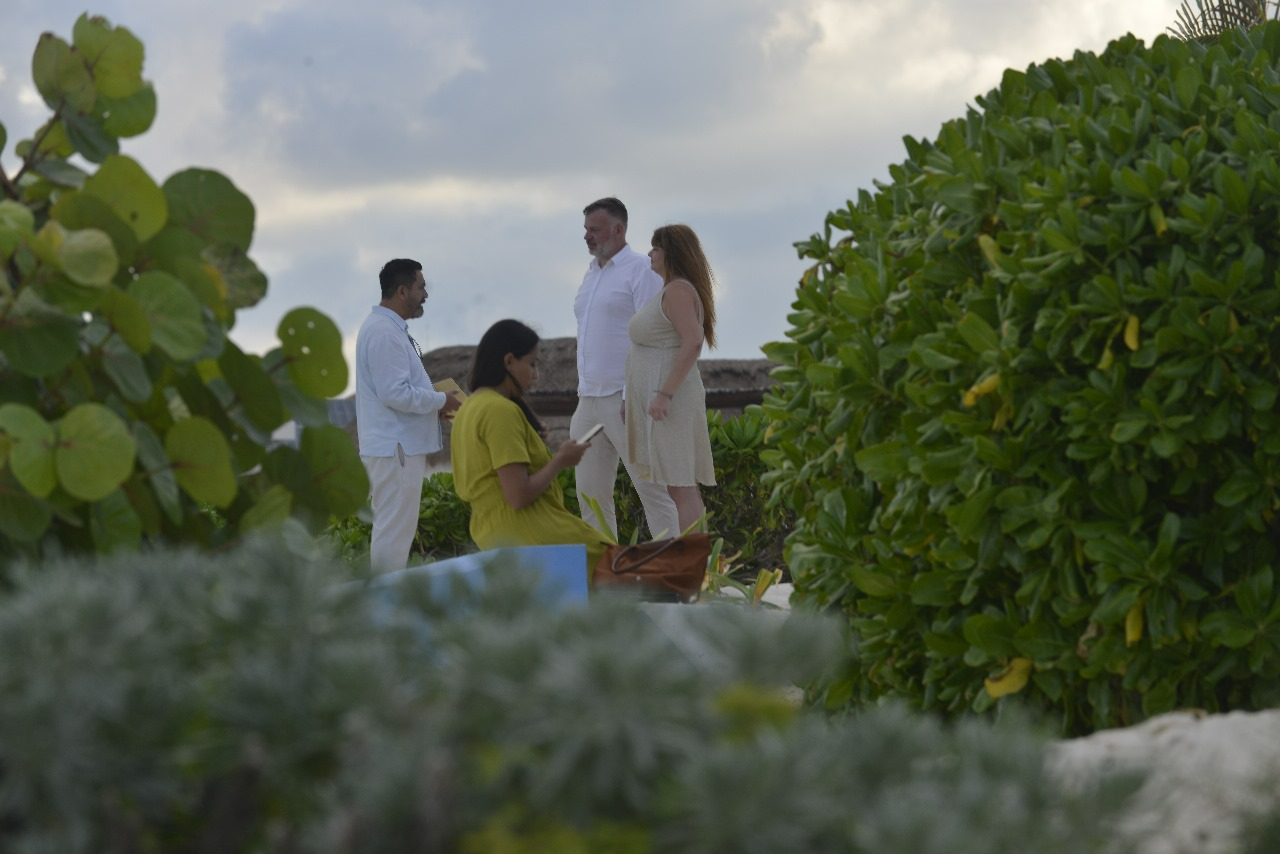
[404, 324]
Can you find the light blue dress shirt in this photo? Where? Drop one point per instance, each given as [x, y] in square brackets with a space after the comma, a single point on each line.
[395, 400]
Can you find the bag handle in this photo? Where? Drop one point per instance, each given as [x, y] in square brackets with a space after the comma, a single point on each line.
[622, 554]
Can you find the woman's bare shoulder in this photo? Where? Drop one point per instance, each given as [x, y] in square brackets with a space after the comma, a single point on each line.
[687, 291]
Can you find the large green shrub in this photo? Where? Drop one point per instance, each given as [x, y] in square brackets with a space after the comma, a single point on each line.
[1028, 408]
[126, 412]
[252, 701]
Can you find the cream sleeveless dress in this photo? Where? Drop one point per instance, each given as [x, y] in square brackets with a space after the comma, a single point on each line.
[677, 450]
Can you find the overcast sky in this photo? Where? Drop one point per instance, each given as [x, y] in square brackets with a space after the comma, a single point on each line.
[469, 134]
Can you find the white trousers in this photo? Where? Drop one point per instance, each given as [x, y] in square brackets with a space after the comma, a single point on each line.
[395, 492]
[598, 470]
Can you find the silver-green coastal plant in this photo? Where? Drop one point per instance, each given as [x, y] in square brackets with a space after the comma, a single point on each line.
[257, 700]
[126, 412]
[1028, 406]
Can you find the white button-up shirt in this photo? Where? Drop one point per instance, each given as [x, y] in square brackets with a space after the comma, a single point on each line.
[395, 400]
[608, 298]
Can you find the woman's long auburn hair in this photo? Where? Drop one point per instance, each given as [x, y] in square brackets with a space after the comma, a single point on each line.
[488, 365]
[683, 259]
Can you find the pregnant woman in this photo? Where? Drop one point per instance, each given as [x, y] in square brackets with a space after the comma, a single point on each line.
[667, 439]
[502, 467]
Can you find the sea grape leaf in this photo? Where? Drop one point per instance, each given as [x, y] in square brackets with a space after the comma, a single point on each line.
[36, 338]
[17, 223]
[244, 285]
[126, 369]
[23, 517]
[254, 391]
[95, 452]
[201, 461]
[31, 448]
[312, 346]
[61, 76]
[114, 524]
[17, 216]
[131, 194]
[113, 54]
[90, 138]
[82, 210]
[270, 510]
[173, 314]
[338, 478]
[88, 257]
[131, 115]
[128, 318]
[61, 172]
[208, 205]
[158, 471]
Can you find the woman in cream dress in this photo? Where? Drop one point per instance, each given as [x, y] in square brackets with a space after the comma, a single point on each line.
[666, 408]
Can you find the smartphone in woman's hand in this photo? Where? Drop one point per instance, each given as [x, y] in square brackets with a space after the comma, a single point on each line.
[590, 434]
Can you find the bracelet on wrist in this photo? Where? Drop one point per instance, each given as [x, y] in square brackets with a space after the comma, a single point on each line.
[667, 395]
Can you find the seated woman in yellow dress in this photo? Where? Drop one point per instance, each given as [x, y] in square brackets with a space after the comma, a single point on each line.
[502, 467]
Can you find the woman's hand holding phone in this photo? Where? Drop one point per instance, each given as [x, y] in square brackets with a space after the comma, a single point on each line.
[590, 434]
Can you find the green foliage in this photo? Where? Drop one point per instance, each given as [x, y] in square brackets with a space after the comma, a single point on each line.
[124, 407]
[740, 512]
[1028, 408]
[176, 701]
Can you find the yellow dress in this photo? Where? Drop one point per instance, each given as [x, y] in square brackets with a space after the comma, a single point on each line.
[490, 431]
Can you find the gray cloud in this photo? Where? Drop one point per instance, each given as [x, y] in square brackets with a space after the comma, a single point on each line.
[492, 89]
[470, 134]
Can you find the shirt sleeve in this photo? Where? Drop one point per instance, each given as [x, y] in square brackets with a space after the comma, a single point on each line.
[648, 285]
[392, 382]
[503, 432]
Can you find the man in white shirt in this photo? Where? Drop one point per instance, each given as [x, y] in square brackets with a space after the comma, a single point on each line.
[398, 412]
[618, 283]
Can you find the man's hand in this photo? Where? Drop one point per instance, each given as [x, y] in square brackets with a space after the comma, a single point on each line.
[452, 401]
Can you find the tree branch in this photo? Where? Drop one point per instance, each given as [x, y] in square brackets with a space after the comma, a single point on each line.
[10, 187]
[34, 157]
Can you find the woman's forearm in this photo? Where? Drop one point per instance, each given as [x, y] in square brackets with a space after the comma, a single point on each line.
[540, 480]
[686, 358]
[520, 487]
[681, 307]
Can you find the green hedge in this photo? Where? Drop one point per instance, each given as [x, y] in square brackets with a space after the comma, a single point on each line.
[1028, 406]
[176, 702]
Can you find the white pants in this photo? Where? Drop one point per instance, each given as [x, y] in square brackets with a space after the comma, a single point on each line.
[395, 492]
[598, 470]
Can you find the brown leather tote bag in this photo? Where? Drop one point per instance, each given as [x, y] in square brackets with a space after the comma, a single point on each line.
[662, 569]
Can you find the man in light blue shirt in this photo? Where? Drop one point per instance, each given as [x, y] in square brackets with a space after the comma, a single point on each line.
[398, 412]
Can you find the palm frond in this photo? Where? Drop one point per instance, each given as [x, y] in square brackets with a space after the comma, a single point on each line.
[1211, 18]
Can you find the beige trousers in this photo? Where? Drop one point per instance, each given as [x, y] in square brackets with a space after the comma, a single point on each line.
[598, 470]
[395, 492]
